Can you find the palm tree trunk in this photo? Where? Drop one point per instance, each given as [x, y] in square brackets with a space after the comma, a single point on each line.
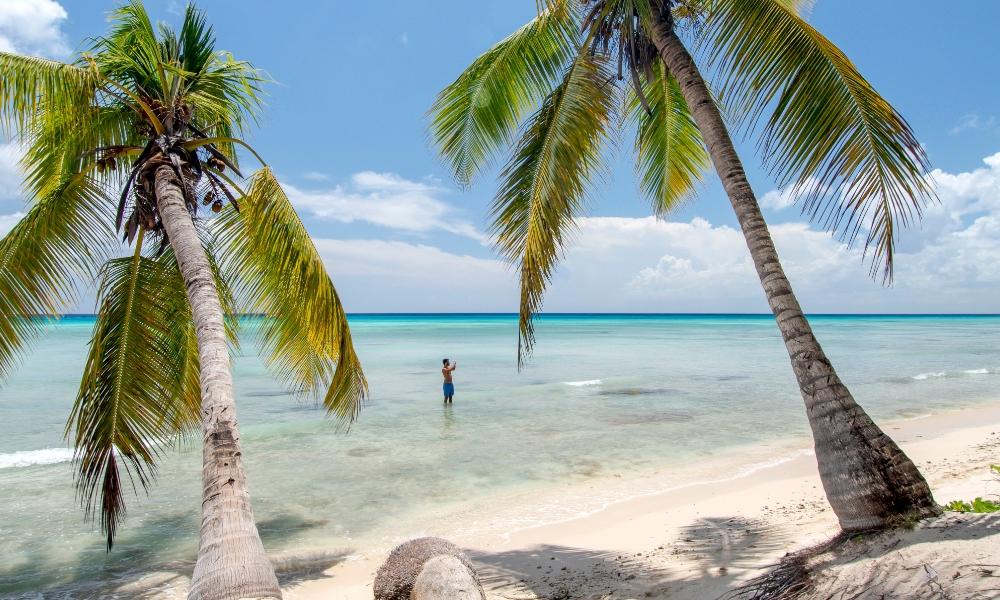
[231, 562]
[869, 481]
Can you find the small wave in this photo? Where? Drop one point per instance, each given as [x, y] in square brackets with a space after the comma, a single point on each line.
[29, 458]
[636, 391]
[775, 462]
[923, 376]
[584, 383]
[977, 371]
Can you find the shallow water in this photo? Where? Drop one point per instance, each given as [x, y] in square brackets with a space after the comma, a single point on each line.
[602, 395]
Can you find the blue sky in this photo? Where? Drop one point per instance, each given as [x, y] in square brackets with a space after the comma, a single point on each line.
[345, 130]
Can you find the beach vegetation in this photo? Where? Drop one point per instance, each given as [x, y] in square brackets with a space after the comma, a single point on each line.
[979, 505]
[554, 96]
[131, 162]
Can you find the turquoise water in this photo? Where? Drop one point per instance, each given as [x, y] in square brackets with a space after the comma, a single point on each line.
[603, 395]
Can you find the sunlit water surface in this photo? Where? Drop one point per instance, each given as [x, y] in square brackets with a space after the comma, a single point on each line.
[602, 395]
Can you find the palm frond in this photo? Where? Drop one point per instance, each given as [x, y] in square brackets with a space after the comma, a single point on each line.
[180, 68]
[274, 269]
[130, 54]
[228, 95]
[140, 383]
[58, 147]
[544, 184]
[197, 41]
[844, 148]
[29, 85]
[671, 157]
[63, 238]
[479, 113]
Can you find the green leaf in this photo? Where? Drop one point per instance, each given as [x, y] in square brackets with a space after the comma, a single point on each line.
[848, 152]
[671, 157]
[30, 86]
[544, 184]
[58, 148]
[275, 270]
[64, 237]
[479, 113]
[223, 94]
[140, 384]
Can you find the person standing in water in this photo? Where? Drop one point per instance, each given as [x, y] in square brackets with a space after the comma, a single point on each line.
[449, 386]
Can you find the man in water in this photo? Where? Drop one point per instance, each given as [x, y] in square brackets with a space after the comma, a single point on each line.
[449, 386]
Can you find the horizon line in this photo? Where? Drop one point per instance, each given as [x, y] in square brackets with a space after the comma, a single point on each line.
[614, 314]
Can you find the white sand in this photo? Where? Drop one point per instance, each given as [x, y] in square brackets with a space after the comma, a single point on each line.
[701, 539]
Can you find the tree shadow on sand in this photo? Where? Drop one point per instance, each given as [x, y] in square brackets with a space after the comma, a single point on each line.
[718, 544]
[708, 559]
[708, 554]
[558, 572]
[794, 575]
[153, 558]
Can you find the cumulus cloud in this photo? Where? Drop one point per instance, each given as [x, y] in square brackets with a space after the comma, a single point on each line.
[33, 27]
[10, 173]
[386, 200]
[381, 275]
[7, 222]
[778, 199]
[646, 264]
[963, 196]
[951, 263]
[786, 197]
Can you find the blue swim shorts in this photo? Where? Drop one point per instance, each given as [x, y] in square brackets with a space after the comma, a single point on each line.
[449, 389]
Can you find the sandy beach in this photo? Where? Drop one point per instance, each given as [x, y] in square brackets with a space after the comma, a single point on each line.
[718, 524]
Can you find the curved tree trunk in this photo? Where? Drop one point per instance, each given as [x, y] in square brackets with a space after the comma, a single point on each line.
[231, 562]
[869, 482]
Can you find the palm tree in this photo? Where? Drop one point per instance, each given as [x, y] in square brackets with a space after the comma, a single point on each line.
[850, 156]
[130, 140]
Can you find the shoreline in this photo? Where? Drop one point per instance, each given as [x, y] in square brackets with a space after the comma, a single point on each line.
[779, 503]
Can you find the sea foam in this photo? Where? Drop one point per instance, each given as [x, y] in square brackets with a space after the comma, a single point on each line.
[923, 376]
[583, 383]
[977, 371]
[30, 458]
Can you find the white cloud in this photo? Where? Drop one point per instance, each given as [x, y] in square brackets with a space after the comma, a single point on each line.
[33, 27]
[646, 264]
[963, 197]
[786, 196]
[387, 200]
[778, 199]
[315, 176]
[10, 173]
[951, 263]
[7, 222]
[380, 275]
[974, 122]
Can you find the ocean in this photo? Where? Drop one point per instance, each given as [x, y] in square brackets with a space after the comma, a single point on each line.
[603, 399]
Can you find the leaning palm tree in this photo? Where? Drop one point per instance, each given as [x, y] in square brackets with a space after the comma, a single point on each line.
[127, 146]
[826, 132]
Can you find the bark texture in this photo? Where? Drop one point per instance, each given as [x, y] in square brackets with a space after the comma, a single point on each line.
[232, 564]
[868, 480]
[398, 575]
[445, 577]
